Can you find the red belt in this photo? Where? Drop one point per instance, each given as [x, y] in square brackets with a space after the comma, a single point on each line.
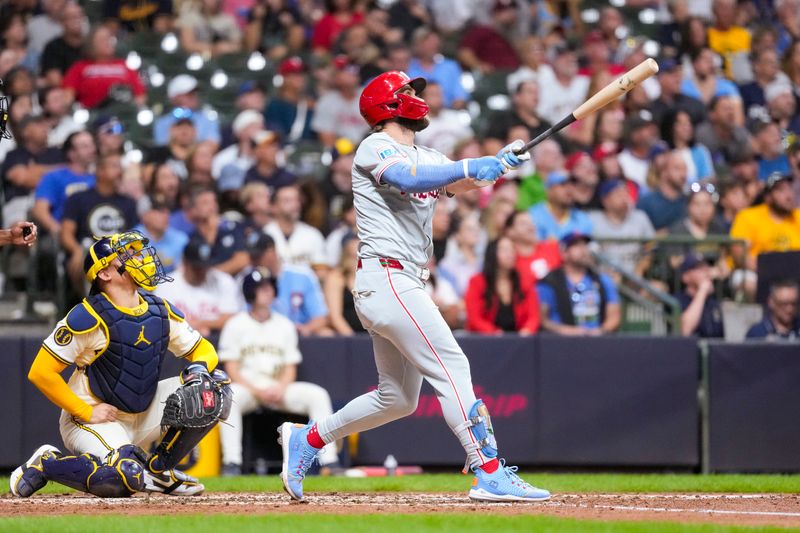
[387, 263]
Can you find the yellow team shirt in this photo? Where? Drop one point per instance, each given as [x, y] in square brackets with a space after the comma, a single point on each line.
[728, 43]
[765, 233]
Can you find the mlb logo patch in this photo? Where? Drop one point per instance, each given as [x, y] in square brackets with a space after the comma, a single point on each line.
[383, 153]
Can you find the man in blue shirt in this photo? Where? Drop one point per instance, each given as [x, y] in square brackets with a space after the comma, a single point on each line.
[702, 314]
[170, 242]
[772, 157]
[780, 322]
[666, 204]
[575, 299]
[429, 63]
[555, 217]
[299, 296]
[183, 95]
[52, 192]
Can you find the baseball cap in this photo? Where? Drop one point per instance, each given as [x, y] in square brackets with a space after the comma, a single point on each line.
[181, 84]
[258, 242]
[264, 136]
[292, 65]
[108, 124]
[607, 187]
[342, 63]
[248, 87]
[667, 64]
[776, 89]
[690, 262]
[775, 179]
[573, 237]
[574, 159]
[245, 119]
[604, 150]
[499, 5]
[555, 178]
[197, 252]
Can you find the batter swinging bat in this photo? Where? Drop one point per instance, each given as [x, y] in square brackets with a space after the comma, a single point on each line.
[604, 96]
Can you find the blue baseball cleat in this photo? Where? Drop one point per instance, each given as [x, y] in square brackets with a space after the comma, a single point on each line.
[29, 477]
[298, 456]
[504, 485]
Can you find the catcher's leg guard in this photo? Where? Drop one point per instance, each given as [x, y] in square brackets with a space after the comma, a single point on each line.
[480, 425]
[118, 476]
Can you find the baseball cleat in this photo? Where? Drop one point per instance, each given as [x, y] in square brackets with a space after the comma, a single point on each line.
[298, 456]
[29, 477]
[504, 485]
[173, 482]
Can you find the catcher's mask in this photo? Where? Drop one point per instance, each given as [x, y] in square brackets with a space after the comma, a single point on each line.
[135, 255]
[4, 133]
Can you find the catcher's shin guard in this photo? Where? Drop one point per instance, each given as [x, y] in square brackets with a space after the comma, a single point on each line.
[117, 476]
[174, 446]
[480, 425]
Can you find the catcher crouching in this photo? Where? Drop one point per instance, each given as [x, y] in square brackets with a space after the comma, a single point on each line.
[114, 406]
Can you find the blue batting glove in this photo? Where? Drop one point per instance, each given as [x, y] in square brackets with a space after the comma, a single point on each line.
[487, 168]
[509, 158]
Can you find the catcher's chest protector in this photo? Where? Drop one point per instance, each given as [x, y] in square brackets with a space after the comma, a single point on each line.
[126, 374]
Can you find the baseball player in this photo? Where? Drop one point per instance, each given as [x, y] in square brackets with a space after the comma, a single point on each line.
[395, 187]
[114, 404]
[259, 350]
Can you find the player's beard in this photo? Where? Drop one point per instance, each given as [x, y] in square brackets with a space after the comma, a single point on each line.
[414, 125]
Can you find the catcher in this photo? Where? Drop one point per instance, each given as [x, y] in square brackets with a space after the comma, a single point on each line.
[114, 406]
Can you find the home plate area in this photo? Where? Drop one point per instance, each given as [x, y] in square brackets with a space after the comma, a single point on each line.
[733, 509]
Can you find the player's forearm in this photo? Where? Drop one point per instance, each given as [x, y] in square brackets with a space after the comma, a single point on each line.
[425, 178]
[204, 352]
[45, 373]
[461, 186]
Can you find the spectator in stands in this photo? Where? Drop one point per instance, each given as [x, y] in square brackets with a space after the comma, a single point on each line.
[185, 100]
[726, 38]
[259, 351]
[447, 127]
[101, 78]
[300, 297]
[346, 227]
[51, 194]
[576, 300]
[246, 124]
[407, 16]
[584, 174]
[429, 63]
[109, 137]
[337, 186]
[677, 131]
[619, 219]
[767, 71]
[266, 146]
[598, 58]
[255, 201]
[782, 107]
[275, 28]
[463, 257]
[139, 15]
[769, 147]
[199, 163]
[154, 213]
[207, 296]
[525, 102]
[24, 166]
[732, 199]
[56, 111]
[702, 314]
[205, 29]
[290, 112]
[706, 83]
[669, 79]
[547, 158]
[336, 113]
[45, 26]
[535, 258]
[296, 242]
[338, 287]
[62, 52]
[14, 39]
[555, 217]
[744, 169]
[440, 229]
[666, 204]
[781, 321]
[700, 223]
[562, 89]
[531, 51]
[641, 136]
[252, 96]
[340, 15]
[497, 299]
[773, 226]
[485, 48]
[165, 185]
[182, 141]
[99, 210]
[225, 238]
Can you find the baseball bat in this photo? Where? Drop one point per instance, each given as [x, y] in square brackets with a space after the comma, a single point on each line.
[604, 96]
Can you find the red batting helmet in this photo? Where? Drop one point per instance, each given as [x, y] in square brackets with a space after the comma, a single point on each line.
[380, 101]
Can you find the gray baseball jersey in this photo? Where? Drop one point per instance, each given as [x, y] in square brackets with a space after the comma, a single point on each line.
[392, 223]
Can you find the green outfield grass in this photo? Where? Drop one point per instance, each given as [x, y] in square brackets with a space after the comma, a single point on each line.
[600, 483]
[313, 523]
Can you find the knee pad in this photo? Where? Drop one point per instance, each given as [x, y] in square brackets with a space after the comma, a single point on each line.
[480, 425]
[119, 475]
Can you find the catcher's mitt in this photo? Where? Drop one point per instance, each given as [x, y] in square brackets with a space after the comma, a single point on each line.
[201, 401]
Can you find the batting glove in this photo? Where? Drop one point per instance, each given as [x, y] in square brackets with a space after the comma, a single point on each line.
[509, 158]
[487, 168]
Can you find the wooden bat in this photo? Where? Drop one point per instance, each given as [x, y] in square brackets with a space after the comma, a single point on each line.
[604, 96]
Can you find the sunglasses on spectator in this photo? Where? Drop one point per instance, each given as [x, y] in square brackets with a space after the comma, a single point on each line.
[182, 113]
[696, 188]
[112, 128]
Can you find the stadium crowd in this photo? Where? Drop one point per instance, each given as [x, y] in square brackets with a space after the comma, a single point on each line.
[708, 148]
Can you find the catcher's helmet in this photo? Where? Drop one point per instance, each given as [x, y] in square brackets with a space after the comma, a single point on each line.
[379, 100]
[136, 257]
[256, 278]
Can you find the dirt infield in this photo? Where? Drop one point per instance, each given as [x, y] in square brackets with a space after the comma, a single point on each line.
[731, 509]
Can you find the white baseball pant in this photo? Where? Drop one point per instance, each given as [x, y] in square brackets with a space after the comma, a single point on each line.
[300, 398]
[411, 341]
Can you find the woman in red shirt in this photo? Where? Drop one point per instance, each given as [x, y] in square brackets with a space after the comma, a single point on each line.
[496, 299]
[90, 80]
[341, 14]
